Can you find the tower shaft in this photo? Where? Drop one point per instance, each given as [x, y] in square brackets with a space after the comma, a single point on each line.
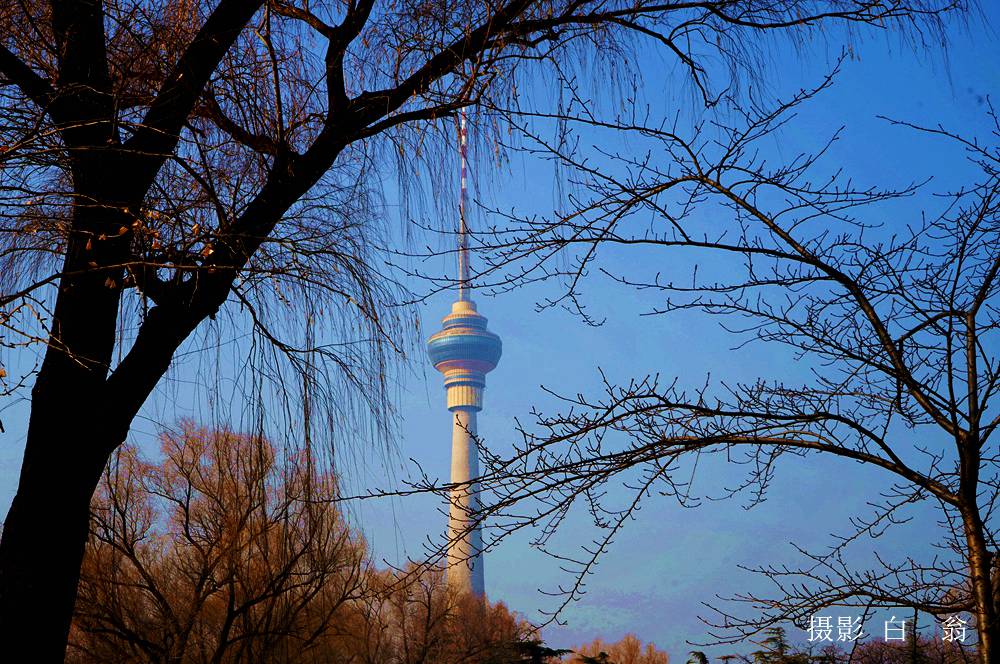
[465, 540]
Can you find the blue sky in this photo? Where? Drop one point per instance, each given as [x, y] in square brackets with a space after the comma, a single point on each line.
[659, 571]
[664, 565]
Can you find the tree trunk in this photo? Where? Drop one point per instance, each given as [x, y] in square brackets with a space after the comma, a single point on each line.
[69, 440]
[45, 533]
[46, 529]
[982, 588]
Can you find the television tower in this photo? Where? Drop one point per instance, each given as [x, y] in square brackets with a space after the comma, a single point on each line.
[464, 351]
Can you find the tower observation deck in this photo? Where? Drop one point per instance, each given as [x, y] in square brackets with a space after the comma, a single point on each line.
[464, 351]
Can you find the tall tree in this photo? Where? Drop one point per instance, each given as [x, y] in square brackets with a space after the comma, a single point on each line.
[897, 326]
[162, 159]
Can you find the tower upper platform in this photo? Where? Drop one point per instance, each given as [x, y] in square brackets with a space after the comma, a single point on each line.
[464, 351]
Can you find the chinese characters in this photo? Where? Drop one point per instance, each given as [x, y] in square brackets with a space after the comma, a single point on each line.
[822, 628]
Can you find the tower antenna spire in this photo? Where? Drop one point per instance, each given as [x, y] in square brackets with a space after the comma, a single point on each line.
[463, 240]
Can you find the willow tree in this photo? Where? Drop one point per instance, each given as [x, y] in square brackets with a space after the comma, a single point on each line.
[161, 160]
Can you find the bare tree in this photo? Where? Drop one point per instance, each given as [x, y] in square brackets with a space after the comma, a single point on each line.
[162, 159]
[222, 552]
[896, 323]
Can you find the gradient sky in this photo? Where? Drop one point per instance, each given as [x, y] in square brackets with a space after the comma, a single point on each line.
[670, 560]
[659, 571]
